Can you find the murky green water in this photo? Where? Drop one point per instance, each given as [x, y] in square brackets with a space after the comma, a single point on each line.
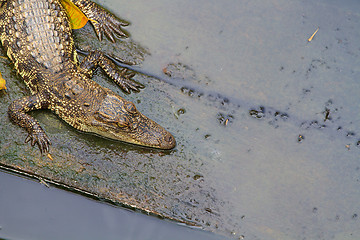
[267, 123]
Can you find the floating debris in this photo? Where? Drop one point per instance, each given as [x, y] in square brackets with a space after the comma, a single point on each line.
[225, 119]
[207, 136]
[257, 113]
[181, 111]
[327, 114]
[312, 36]
[300, 138]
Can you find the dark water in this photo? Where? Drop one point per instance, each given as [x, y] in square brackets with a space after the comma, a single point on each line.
[267, 123]
[30, 210]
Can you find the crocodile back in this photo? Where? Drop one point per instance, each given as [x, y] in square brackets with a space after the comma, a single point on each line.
[37, 38]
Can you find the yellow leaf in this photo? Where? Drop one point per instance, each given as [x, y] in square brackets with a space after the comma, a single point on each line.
[76, 16]
[2, 83]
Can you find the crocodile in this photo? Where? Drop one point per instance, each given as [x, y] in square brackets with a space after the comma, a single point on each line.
[37, 38]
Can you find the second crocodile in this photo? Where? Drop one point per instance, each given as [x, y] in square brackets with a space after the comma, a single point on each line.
[36, 36]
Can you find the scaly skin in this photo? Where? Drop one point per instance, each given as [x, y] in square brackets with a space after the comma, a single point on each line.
[37, 38]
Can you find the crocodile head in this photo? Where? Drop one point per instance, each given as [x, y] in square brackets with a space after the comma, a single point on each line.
[119, 119]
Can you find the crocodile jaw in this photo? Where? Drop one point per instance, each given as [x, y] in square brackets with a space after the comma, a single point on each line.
[119, 119]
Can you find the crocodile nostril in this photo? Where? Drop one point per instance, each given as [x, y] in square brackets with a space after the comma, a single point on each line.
[169, 141]
[169, 138]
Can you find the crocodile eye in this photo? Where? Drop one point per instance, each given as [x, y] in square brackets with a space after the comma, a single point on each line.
[123, 122]
[130, 107]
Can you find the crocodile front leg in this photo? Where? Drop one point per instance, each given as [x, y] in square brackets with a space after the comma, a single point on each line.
[17, 113]
[103, 21]
[94, 59]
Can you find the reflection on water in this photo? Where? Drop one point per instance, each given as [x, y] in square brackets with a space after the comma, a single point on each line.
[267, 123]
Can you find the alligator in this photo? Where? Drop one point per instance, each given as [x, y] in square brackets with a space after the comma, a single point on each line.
[37, 38]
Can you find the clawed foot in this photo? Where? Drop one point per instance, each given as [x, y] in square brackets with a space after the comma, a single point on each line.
[106, 23]
[125, 81]
[108, 63]
[39, 137]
